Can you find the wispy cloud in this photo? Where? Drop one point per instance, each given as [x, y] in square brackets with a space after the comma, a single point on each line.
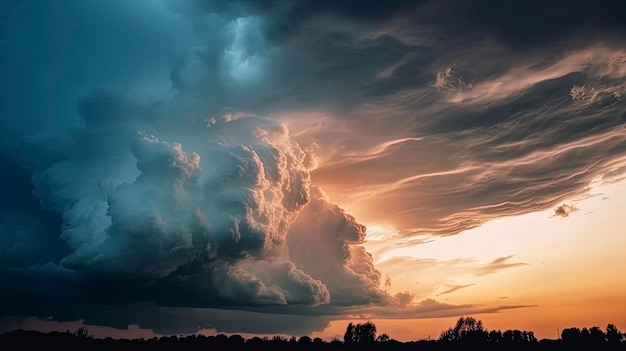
[430, 308]
[427, 277]
[452, 288]
[515, 162]
[565, 210]
[497, 265]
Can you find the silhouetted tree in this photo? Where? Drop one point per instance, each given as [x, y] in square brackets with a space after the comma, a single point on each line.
[360, 333]
[466, 328]
[349, 335]
[255, 341]
[613, 335]
[83, 332]
[305, 340]
[278, 338]
[570, 335]
[236, 340]
[318, 341]
[335, 342]
[596, 336]
[495, 337]
[383, 338]
[517, 337]
[591, 339]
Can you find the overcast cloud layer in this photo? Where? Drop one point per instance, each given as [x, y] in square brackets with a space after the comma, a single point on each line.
[189, 160]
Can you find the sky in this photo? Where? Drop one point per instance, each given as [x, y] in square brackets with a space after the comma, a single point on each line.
[266, 167]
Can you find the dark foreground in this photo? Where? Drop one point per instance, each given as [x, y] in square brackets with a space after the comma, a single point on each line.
[467, 334]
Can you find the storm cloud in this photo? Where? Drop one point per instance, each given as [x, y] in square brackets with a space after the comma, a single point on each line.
[201, 155]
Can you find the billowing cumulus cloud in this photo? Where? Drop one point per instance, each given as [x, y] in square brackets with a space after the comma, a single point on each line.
[206, 216]
[176, 162]
[323, 229]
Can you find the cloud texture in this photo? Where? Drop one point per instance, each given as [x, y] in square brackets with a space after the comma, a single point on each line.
[179, 167]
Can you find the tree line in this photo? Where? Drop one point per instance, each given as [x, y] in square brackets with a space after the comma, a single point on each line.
[467, 334]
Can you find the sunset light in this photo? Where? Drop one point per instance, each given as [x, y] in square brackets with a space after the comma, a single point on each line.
[326, 173]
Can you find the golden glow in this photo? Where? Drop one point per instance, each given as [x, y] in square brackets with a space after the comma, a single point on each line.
[569, 270]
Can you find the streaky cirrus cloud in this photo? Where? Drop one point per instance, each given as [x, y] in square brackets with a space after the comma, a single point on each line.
[452, 288]
[516, 144]
[497, 265]
[429, 278]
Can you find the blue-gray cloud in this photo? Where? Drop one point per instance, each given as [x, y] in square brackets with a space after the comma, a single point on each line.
[53, 52]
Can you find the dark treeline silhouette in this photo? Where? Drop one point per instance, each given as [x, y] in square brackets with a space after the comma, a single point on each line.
[467, 334]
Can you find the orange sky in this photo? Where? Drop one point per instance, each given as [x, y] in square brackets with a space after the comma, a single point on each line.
[572, 273]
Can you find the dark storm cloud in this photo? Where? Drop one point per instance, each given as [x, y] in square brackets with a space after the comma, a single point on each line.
[136, 208]
[286, 18]
[145, 220]
[346, 58]
[444, 84]
[517, 21]
[53, 52]
[177, 320]
[520, 22]
[19, 209]
[182, 320]
[424, 115]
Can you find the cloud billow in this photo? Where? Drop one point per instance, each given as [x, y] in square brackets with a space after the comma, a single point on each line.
[232, 201]
[198, 223]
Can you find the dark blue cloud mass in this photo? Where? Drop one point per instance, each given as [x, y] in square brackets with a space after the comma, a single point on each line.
[167, 158]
